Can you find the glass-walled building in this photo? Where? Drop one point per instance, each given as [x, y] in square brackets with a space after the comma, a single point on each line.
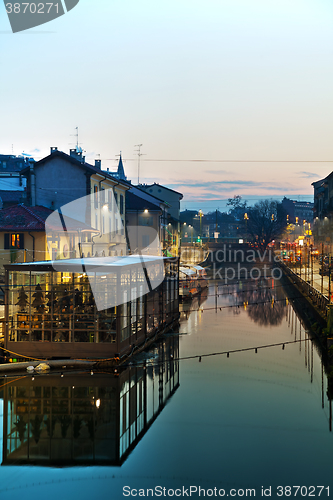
[84, 419]
[88, 308]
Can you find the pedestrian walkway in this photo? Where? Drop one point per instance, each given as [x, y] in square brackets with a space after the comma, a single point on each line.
[312, 276]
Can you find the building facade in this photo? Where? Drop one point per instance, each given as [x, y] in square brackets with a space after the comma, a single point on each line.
[67, 183]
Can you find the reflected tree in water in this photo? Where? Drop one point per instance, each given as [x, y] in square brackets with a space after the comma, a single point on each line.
[264, 307]
[50, 425]
[36, 427]
[77, 424]
[65, 422]
[20, 427]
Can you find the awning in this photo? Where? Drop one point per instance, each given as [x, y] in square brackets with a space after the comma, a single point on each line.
[188, 272]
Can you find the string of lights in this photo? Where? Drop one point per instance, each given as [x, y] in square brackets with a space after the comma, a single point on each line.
[220, 353]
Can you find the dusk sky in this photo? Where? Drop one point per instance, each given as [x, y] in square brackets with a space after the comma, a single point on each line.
[244, 86]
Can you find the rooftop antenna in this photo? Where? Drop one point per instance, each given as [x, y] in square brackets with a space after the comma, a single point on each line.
[139, 156]
[78, 149]
[13, 149]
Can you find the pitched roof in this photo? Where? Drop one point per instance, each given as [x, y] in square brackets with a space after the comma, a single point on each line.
[79, 163]
[22, 218]
[147, 186]
[134, 202]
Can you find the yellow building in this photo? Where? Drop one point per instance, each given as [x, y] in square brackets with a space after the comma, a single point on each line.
[23, 236]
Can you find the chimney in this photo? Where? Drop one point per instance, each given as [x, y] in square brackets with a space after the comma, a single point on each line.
[98, 164]
[53, 149]
[75, 154]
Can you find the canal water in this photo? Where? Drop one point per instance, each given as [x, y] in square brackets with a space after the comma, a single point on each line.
[252, 418]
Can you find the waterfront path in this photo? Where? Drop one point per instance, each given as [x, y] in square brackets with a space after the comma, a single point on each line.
[311, 275]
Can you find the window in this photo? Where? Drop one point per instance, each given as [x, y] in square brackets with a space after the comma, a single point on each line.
[14, 240]
[110, 193]
[96, 196]
[116, 199]
[102, 196]
[121, 204]
[145, 221]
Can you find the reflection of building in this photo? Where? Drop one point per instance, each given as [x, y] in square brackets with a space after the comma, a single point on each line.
[84, 419]
[51, 307]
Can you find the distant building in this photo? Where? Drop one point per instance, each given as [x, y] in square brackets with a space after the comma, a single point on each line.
[166, 194]
[323, 197]
[12, 182]
[323, 211]
[172, 224]
[298, 212]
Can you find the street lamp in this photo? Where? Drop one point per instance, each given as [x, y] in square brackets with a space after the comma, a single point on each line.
[191, 233]
[246, 218]
[200, 215]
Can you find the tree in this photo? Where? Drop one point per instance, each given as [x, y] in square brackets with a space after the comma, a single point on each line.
[38, 302]
[267, 221]
[22, 300]
[238, 207]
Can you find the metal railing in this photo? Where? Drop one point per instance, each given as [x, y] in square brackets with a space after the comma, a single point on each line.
[317, 298]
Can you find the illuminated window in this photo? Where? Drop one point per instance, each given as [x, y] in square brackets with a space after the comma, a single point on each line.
[13, 240]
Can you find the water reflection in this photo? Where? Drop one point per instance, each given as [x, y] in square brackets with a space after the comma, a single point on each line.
[194, 304]
[266, 304]
[263, 300]
[87, 419]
